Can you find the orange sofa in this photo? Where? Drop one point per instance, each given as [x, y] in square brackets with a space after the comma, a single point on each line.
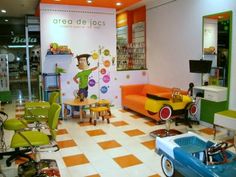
[134, 97]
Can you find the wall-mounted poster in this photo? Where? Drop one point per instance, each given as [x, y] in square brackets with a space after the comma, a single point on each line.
[91, 63]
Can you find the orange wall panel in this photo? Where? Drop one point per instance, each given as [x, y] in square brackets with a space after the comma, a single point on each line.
[139, 15]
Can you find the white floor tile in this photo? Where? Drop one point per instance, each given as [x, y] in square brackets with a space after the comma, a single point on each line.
[101, 161]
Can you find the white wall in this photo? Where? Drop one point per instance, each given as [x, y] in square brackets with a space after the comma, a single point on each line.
[174, 36]
[84, 39]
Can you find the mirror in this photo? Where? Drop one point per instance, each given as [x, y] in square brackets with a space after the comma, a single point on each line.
[217, 46]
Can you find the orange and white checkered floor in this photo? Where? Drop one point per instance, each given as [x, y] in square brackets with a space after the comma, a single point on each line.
[122, 148]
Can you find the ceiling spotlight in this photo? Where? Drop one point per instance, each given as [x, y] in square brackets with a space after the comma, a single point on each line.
[89, 1]
[118, 3]
[57, 0]
[6, 20]
[3, 11]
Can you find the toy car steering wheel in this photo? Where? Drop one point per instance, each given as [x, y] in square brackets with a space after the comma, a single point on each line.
[217, 148]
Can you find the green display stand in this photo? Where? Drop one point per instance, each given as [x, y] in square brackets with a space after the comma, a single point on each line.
[209, 108]
[5, 96]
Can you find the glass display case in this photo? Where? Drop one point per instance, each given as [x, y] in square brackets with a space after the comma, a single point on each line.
[4, 73]
[131, 56]
[5, 93]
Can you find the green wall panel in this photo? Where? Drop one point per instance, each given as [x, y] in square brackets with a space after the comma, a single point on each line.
[209, 108]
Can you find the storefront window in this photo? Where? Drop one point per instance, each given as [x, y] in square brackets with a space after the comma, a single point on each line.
[13, 45]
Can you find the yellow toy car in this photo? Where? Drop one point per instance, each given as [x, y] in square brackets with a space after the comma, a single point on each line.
[174, 107]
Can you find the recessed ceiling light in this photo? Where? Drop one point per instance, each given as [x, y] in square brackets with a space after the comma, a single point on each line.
[220, 17]
[118, 3]
[6, 20]
[57, 0]
[3, 11]
[89, 1]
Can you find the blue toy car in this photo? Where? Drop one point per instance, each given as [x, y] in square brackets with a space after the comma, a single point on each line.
[193, 156]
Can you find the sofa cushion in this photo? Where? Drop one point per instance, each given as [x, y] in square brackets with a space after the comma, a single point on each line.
[137, 101]
[153, 89]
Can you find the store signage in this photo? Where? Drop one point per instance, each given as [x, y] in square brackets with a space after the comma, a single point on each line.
[22, 40]
[90, 23]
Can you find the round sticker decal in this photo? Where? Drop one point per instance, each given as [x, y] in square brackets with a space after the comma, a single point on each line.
[95, 55]
[94, 96]
[107, 63]
[104, 89]
[91, 82]
[106, 78]
[103, 71]
[106, 52]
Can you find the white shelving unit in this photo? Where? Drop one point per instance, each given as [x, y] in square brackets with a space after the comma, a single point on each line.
[131, 56]
[4, 73]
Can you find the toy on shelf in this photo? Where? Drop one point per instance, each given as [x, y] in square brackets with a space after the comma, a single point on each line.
[56, 49]
[192, 155]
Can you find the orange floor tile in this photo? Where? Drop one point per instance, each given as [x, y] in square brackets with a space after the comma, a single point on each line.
[156, 175]
[83, 124]
[127, 161]
[134, 132]
[66, 144]
[123, 111]
[75, 160]
[62, 132]
[119, 123]
[209, 131]
[96, 175]
[96, 132]
[149, 144]
[136, 116]
[151, 123]
[109, 144]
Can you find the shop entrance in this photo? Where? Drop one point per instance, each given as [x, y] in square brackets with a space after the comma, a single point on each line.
[13, 44]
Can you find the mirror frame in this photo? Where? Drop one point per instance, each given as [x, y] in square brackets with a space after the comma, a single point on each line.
[230, 47]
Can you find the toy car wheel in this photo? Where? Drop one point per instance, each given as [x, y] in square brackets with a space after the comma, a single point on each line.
[167, 166]
[192, 109]
[165, 112]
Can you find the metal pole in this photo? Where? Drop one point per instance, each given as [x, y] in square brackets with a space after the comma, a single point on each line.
[28, 62]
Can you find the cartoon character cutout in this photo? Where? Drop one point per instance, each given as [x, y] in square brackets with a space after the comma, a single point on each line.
[82, 77]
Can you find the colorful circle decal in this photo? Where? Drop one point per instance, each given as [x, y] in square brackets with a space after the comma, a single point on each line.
[92, 82]
[107, 63]
[104, 89]
[68, 82]
[106, 52]
[103, 71]
[106, 78]
[128, 76]
[94, 97]
[95, 55]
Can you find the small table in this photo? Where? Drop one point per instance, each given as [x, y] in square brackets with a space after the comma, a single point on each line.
[77, 102]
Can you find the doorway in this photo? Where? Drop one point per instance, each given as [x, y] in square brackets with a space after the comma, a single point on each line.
[13, 45]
